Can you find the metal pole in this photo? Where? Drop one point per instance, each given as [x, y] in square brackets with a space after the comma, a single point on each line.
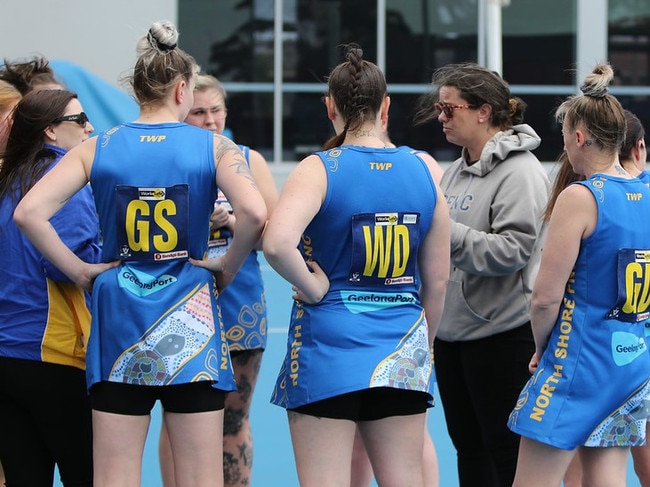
[381, 35]
[278, 61]
[494, 36]
[591, 38]
[481, 32]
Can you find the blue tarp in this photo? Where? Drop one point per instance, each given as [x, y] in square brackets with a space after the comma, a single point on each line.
[106, 105]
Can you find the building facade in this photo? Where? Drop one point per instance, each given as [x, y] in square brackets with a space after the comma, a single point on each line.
[274, 57]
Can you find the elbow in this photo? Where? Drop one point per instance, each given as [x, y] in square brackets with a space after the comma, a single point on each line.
[270, 247]
[542, 302]
[21, 217]
[276, 246]
[255, 216]
[260, 217]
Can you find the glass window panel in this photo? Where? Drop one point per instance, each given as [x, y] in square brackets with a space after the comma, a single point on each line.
[306, 126]
[424, 34]
[250, 118]
[232, 39]
[321, 26]
[629, 41]
[539, 42]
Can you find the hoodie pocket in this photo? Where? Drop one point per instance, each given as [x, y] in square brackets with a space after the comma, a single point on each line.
[456, 307]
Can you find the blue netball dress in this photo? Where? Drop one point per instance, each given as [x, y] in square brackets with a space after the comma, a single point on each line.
[155, 318]
[591, 386]
[645, 177]
[242, 303]
[369, 330]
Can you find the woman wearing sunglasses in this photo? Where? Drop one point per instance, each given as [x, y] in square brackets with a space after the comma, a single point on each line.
[45, 414]
[496, 191]
[157, 333]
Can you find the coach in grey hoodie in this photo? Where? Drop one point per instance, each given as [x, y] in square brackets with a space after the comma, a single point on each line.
[496, 206]
[496, 191]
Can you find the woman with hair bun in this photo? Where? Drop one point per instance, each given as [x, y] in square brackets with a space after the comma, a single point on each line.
[591, 365]
[156, 331]
[496, 192]
[243, 304]
[361, 231]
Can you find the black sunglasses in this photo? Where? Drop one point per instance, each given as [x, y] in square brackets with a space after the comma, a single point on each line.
[80, 118]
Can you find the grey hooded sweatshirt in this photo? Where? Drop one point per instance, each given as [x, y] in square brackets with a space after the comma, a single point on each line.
[496, 207]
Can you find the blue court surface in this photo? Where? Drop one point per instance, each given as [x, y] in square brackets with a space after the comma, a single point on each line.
[274, 464]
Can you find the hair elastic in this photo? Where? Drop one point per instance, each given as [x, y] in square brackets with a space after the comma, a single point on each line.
[165, 48]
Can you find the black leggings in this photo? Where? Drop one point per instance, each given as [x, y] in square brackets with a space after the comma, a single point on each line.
[368, 404]
[479, 383]
[45, 419]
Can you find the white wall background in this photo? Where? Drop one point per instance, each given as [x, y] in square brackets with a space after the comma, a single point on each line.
[100, 36]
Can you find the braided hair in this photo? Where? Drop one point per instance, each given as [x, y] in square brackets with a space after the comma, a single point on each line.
[358, 88]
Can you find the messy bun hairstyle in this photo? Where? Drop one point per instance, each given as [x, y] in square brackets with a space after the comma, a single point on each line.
[600, 113]
[160, 64]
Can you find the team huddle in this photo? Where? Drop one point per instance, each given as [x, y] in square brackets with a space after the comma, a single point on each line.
[131, 275]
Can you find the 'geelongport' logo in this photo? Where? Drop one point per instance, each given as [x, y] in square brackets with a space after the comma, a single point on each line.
[360, 302]
[626, 347]
[141, 283]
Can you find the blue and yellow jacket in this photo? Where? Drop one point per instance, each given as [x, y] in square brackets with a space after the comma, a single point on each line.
[44, 316]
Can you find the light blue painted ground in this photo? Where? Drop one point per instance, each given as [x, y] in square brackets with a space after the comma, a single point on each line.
[274, 465]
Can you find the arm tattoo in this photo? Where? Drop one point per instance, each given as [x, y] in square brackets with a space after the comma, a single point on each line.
[226, 146]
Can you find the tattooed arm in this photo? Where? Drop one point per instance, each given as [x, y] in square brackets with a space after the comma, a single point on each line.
[235, 180]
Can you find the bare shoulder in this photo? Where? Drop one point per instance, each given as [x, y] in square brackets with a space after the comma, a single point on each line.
[226, 150]
[257, 161]
[83, 154]
[575, 210]
[434, 168]
[256, 156]
[308, 173]
[224, 144]
[310, 165]
[575, 194]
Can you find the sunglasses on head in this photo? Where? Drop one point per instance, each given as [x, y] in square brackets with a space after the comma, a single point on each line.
[80, 118]
[448, 108]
